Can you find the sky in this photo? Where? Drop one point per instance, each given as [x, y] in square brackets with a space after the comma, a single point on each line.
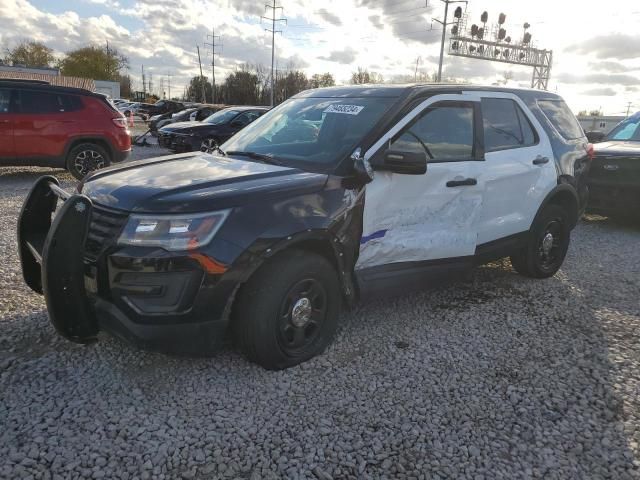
[596, 64]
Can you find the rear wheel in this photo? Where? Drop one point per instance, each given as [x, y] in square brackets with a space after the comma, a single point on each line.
[85, 158]
[288, 311]
[547, 245]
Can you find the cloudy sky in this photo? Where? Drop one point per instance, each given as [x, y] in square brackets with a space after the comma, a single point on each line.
[596, 61]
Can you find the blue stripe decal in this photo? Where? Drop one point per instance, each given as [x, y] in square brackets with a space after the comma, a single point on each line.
[373, 236]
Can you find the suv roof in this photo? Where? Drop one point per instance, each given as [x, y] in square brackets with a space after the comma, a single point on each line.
[394, 91]
[43, 85]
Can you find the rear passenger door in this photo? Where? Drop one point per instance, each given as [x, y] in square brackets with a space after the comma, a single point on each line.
[519, 168]
[43, 124]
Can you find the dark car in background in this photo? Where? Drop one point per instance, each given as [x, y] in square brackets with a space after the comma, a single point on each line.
[614, 177]
[212, 131]
[160, 107]
[192, 114]
[50, 126]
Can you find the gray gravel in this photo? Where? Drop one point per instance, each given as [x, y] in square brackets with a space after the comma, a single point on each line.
[493, 377]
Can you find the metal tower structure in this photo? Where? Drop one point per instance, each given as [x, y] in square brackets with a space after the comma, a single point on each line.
[492, 43]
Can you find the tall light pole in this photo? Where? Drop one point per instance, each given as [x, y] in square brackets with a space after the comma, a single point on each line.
[444, 24]
[273, 19]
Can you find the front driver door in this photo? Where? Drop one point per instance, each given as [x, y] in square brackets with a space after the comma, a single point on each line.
[414, 221]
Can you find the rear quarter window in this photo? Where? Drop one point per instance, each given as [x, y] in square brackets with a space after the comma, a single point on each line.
[561, 117]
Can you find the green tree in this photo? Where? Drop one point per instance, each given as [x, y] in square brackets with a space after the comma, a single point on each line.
[194, 91]
[126, 89]
[242, 87]
[94, 62]
[363, 75]
[290, 84]
[321, 80]
[31, 54]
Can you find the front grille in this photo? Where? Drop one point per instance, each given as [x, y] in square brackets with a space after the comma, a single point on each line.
[104, 228]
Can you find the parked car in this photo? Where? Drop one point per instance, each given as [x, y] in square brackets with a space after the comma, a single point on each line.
[196, 114]
[212, 131]
[401, 187]
[50, 126]
[161, 106]
[614, 178]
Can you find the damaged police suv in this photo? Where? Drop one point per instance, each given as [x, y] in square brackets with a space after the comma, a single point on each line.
[334, 195]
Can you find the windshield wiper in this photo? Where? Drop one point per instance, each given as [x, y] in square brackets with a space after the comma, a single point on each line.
[219, 150]
[262, 157]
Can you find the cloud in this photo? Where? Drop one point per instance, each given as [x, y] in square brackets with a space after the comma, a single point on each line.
[609, 66]
[329, 17]
[599, 78]
[600, 92]
[346, 56]
[616, 45]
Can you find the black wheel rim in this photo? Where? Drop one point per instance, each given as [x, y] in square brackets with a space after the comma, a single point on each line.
[550, 245]
[301, 316]
[87, 161]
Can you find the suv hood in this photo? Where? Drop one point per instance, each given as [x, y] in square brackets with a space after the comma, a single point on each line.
[195, 183]
[186, 127]
[617, 148]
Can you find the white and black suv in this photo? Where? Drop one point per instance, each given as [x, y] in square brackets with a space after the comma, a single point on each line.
[334, 195]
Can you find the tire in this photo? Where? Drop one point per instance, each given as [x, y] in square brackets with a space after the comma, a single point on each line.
[207, 145]
[86, 158]
[264, 324]
[543, 255]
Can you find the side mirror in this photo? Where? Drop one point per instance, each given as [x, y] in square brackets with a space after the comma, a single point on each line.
[407, 163]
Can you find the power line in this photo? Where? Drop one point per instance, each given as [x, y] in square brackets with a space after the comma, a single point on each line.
[274, 8]
[214, 44]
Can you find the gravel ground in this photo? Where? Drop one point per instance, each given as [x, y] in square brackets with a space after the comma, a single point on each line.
[493, 377]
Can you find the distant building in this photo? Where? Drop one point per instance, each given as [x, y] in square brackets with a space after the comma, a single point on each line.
[28, 70]
[52, 75]
[599, 123]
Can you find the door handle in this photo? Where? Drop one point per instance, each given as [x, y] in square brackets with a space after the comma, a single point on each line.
[540, 160]
[462, 183]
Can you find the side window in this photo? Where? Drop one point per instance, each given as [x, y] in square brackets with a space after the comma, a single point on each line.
[444, 132]
[31, 101]
[5, 100]
[70, 103]
[505, 125]
[246, 118]
[561, 118]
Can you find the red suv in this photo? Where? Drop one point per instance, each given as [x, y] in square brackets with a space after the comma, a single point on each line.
[51, 126]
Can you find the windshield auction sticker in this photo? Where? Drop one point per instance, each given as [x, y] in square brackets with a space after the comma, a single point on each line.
[345, 109]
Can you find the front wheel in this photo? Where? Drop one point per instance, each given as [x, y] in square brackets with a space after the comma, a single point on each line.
[547, 245]
[85, 158]
[288, 311]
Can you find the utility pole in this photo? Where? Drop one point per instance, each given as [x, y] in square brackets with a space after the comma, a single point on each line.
[415, 75]
[169, 78]
[144, 85]
[204, 91]
[628, 108]
[214, 44]
[444, 24]
[273, 19]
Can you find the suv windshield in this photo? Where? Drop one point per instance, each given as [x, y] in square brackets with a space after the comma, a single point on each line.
[223, 116]
[311, 130]
[626, 130]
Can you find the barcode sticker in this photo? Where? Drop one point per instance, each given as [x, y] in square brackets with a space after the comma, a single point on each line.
[344, 109]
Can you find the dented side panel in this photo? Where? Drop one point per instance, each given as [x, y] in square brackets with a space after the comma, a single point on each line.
[411, 218]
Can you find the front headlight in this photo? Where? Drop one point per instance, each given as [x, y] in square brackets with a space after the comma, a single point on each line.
[172, 232]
